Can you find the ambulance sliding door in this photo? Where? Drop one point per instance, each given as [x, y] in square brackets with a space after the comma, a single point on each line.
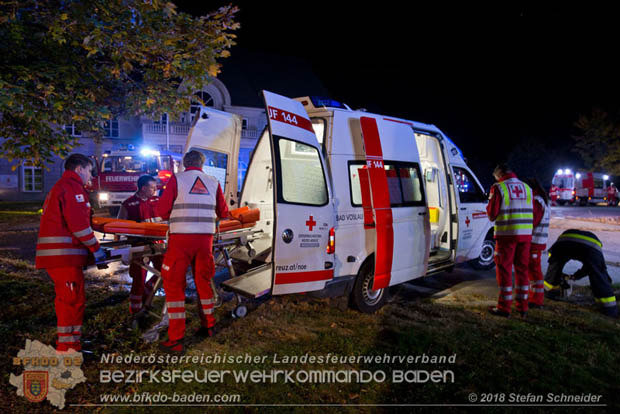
[304, 214]
[401, 219]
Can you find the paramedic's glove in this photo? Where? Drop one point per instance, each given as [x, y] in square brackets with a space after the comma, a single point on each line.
[100, 255]
[578, 274]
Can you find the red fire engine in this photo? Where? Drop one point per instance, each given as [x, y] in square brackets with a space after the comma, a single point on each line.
[118, 171]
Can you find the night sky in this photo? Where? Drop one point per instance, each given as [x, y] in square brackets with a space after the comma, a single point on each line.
[488, 77]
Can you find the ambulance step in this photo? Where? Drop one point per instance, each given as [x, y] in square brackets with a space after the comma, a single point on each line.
[254, 284]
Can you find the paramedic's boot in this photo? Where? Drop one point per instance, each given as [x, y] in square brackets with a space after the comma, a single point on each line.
[204, 332]
[494, 310]
[172, 347]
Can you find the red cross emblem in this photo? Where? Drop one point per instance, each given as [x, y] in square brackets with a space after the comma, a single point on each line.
[517, 191]
[467, 221]
[310, 223]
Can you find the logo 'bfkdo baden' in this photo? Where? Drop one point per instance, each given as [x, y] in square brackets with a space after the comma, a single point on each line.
[47, 375]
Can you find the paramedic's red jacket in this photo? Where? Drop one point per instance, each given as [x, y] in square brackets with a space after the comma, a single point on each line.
[164, 206]
[65, 235]
[495, 201]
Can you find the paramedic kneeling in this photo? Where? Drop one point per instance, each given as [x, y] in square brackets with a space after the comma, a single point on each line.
[141, 207]
[66, 242]
[191, 202]
[510, 207]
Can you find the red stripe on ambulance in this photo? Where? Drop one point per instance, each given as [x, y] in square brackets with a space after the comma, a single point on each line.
[302, 277]
[381, 203]
[290, 118]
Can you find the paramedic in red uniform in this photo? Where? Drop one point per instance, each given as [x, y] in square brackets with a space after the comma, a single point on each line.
[191, 202]
[510, 207]
[553, 194]
[141, 207]
[612, 194]
[540, 234]
[65, 245]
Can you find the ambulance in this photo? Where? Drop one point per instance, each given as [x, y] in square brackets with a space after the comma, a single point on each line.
[351, 203]
[591, 188]
[564, 180]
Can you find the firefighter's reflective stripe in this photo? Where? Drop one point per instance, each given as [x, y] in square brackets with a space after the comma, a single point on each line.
[193, 210]
[540, 233]
[516, 216]
[607, 302]
[549, 286]
[579, 238]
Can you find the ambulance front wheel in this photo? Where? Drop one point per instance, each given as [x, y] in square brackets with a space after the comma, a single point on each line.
[363, 297]
[487, 255]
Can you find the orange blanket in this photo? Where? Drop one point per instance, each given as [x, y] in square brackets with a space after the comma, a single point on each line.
[242, 218]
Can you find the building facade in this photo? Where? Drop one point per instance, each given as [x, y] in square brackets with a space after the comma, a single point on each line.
[28, 183]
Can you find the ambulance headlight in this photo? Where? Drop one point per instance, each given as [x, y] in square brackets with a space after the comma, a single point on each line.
[103, 196]
[605, 177]
[560, 172]
[567, 171]
[578, 175]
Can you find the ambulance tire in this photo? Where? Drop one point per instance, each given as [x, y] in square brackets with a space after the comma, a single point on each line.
[486, 260]
[363, 298]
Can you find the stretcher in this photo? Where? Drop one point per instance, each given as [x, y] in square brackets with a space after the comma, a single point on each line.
[138, 242]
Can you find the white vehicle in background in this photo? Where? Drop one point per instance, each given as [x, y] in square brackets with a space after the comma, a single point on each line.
[580, 187]
[350, 202]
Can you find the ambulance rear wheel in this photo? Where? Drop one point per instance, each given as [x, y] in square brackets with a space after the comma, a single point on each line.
[363, 297]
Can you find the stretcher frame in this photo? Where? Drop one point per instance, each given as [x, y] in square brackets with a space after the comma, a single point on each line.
[139, 249]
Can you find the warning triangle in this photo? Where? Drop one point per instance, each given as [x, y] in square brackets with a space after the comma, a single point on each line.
[199, 187]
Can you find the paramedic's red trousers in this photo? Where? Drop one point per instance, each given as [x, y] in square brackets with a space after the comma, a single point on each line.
[139, 289]
[537, 287]
[185, 250]
[507, 253]
[70, 302]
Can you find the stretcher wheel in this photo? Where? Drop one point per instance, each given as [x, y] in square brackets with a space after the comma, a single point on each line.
[240, 311]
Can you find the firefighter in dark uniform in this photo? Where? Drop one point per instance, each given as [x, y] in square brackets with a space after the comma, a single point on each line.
[585, 247]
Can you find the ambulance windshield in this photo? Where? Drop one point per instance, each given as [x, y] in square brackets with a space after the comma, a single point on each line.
[130, 164]
[563, 181]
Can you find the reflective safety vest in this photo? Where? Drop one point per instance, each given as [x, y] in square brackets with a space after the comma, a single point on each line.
[193, 211]
[516, 213]
[540, 233]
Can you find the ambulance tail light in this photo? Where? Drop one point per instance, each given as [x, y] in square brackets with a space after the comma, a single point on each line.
[331, 244]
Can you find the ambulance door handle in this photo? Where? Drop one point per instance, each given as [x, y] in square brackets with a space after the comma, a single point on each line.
[463, 208]
[422, 213]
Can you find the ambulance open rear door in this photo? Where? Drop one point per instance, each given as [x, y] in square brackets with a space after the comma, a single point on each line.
[288, 160]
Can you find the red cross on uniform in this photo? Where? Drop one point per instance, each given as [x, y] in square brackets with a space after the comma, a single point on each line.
[310, 223]
[516, 189]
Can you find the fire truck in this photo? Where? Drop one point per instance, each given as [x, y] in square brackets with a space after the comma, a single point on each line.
[580, 187]
[118, 171]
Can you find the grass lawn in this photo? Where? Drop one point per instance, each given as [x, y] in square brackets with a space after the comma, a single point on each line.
[563, 348]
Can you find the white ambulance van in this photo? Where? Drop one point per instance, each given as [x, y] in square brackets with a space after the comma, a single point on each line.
[350, 202]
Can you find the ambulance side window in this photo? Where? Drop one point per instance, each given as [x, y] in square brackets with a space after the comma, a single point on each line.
[469, 191]
[403, 179]
[300, 174]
